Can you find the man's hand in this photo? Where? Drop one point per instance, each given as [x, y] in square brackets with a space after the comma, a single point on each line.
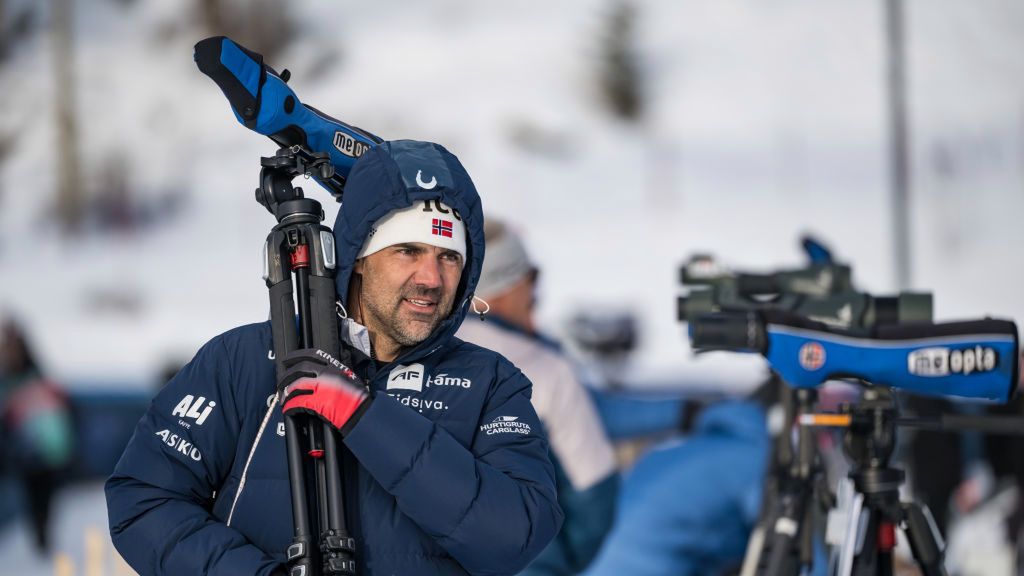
[316, 383]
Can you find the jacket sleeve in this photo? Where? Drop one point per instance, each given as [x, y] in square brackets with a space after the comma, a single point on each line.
[585, 468]
[161, 491]
[588, 518]
[500, 510]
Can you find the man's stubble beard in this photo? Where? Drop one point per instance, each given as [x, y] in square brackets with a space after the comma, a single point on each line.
[410, 328]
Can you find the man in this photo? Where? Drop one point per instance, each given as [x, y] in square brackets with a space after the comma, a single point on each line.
[580, 450]
[445, 464]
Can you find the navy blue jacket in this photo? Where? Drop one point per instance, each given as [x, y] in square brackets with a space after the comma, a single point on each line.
[446, 471]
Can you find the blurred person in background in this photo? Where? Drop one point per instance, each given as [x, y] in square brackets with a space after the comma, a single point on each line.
[35, 429]
[689, 505]
[443, 458]
[586, 476]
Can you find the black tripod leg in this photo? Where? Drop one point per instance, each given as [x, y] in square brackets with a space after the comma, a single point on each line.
[302, 552]
[783, 534]
[925, 541]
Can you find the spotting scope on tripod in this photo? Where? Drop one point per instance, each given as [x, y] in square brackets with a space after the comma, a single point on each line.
[824, 292]
[972, 359]
[299, 271]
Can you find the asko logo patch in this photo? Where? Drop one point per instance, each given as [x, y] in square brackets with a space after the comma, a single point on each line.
[193, 408]
[942, 361]
[180, 445]
[406, 378]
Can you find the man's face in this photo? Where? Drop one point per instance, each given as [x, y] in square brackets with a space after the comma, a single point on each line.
[407, 290]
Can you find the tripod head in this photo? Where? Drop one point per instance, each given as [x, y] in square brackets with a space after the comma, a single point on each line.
[276, 192]
[871, 436]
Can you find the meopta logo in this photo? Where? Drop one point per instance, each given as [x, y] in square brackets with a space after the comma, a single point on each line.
[812, 356]
[506, 425]
[348, 145]
[942, 361]
[180, 445]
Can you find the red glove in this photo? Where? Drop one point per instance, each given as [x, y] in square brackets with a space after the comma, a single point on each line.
[315, 383]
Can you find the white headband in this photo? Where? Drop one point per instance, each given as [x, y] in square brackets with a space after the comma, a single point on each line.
[428, 222]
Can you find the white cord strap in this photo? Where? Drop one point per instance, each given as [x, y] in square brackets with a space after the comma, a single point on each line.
[245, 470]
[476, 309]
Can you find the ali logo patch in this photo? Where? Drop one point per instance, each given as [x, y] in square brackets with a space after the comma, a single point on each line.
[197, 409]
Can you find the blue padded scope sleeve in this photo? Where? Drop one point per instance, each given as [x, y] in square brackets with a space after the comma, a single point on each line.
[973, 359]
[263, 102]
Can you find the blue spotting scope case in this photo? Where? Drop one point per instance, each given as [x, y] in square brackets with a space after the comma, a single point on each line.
[262, 101]
[971, 359]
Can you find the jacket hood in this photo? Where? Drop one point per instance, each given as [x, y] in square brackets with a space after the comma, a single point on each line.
[398, 174]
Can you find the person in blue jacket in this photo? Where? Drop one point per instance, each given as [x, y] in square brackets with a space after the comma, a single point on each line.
[688, 506]
[445, 463]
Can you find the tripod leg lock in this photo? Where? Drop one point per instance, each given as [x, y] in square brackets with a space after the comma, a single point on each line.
[298, 558]
[332, 542]
[339, 567]
[337, 549]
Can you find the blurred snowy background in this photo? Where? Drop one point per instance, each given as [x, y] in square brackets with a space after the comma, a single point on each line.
[620, 137]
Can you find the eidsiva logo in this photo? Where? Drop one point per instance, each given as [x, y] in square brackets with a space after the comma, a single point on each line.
[812, 356]
[441, 228]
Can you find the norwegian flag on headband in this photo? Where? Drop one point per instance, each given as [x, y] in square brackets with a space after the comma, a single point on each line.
[442, 228]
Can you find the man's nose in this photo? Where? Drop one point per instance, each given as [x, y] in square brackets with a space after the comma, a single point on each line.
[428, 272]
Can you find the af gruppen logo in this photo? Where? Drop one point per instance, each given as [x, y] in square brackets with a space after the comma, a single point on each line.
[406, 378]
[812, 356]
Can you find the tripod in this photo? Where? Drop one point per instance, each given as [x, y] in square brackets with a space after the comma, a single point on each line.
[877, 512]
[300, 248]
[781, 543]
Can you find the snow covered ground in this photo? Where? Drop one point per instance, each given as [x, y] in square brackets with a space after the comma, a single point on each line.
[81, 542]
[763, 120]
